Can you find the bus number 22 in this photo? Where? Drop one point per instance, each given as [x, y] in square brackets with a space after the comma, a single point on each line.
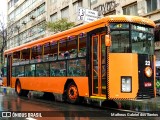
[147, 62]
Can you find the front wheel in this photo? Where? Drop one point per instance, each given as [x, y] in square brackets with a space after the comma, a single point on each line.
[19, 90]
[72, 94]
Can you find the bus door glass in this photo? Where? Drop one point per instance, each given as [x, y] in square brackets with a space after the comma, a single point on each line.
[9, 66]
[98, 65]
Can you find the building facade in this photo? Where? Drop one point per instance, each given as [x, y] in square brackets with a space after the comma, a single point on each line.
[26, 18]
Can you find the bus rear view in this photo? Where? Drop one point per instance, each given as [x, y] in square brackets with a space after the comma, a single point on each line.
[131, 61]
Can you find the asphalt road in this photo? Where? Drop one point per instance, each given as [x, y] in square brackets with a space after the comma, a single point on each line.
[23, 108]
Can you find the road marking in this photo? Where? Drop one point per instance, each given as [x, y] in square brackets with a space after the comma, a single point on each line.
[31, 119]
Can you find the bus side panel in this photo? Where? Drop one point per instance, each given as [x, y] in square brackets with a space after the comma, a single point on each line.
[53, 84]
[122, 64]
[13, 81]
[4, 81]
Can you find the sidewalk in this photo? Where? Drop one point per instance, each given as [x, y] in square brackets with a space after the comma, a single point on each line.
[152, 104]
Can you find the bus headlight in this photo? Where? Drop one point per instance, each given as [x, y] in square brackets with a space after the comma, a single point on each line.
[126, 83]
[148, 71]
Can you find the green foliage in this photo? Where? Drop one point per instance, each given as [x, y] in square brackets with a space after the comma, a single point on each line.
[59, 25]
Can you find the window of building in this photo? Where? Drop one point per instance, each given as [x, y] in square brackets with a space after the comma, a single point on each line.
[53, 1]
[41, 27]
[110, 13]
[65, 12]
[16, 1]
[41, 9]
[9, 4]
[54, 17]
[152, 5]
[76, 5]
[130, 9]
[93, 2]
[11, 16]
[12, 3]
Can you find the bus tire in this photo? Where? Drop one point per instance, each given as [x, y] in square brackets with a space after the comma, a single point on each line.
[72, 94]
[19, 90]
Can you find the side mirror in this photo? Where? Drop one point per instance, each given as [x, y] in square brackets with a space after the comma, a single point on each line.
[108, 40]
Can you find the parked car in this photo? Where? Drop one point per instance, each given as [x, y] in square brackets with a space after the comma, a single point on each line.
[1, 81]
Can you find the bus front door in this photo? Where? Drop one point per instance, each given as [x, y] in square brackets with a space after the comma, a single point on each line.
[98, 54]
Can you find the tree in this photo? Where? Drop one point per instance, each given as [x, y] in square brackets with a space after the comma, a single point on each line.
[5, 35]
[59, 25]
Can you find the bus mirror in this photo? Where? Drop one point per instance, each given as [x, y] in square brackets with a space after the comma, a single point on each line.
[108, 40]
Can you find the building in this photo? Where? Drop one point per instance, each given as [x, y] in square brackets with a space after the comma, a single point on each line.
[26, 20]
[27, 17]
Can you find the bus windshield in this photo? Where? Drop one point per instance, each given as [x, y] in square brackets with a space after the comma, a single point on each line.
[142, 39]
[132, 38]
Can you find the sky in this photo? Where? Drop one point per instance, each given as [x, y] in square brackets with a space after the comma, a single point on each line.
[3, 10]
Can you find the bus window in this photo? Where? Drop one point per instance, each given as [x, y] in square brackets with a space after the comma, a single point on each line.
[82, 46]
[30, 70]
[120, 41]
[4, 72]
[62, 49]
[77, 67]
[13, 72]
[71, 48]
[58, 68]
[142, 43]
[53, 52]
[46, 51]
[19, 71]
[42, 69]
[37, 53]
[16, 57]
[25, 55]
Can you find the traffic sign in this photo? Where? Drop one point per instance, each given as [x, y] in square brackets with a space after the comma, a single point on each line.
[87, 15]
[81, 13]
[91, 13]
[89, 19]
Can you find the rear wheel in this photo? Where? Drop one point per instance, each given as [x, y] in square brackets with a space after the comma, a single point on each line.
[19, 90]
[72, 94]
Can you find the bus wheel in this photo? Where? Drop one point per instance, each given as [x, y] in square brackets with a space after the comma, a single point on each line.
[19, 90]
[72, 93]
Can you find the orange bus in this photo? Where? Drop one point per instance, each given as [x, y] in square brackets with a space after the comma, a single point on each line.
[110, 58]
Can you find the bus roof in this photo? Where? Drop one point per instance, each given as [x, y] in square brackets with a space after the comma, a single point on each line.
[83, 29]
